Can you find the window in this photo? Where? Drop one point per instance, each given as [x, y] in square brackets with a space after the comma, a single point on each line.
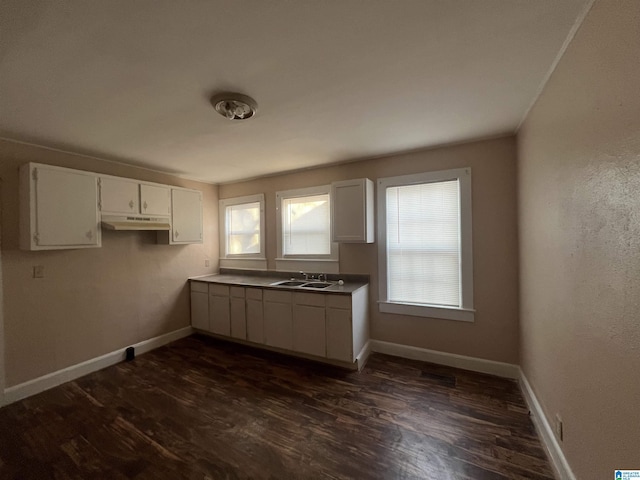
[304, 230]
[425, 246]
[242, 232]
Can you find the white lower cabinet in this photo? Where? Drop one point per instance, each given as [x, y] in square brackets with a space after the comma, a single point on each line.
[199, 305]
[324, 325]
[255, 315]
[238, 313]
[219, 310]
[278, 321]
[309, 324]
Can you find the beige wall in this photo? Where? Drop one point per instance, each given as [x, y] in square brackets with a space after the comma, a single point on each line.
[93, 301]
[579, 184]
[494, 335]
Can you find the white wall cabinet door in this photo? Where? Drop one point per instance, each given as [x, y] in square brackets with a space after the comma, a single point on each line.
[309, 330]
[200, 310]
[219, 310]
[238, 313]
[255, 315]
[155, 200]
[59, 208]
[352, 211]
[186, 216]
[278, 321]
[119, 196]
[339, 334]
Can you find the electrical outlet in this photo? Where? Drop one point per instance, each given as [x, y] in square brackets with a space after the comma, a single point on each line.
[38, 271]
[207, 263]
[559, 427]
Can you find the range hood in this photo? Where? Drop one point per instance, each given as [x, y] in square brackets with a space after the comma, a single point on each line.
[135, 222]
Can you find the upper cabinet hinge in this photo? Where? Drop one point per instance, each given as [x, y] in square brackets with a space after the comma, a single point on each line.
[36, 239]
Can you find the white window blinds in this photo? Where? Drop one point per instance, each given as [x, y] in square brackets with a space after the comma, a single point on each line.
[423, 243]
[243, 228]
[306, 228]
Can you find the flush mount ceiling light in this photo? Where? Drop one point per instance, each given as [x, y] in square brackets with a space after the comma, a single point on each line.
[234, 106]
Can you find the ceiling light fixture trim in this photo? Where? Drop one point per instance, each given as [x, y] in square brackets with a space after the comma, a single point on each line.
[234, 106]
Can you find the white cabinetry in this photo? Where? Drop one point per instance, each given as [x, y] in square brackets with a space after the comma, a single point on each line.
[58, 208]
[125, 196]
[155, 199]
[186, 216]
[347, 325]
[255, 315]
[309, 324]
[238, 313]
[200, 305]
[119, 196]
[219, 310]
[352, 211]
[278, 326]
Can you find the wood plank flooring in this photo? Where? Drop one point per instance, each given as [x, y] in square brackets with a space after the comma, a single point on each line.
[205, 409]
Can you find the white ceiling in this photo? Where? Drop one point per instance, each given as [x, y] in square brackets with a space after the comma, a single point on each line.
[334, 80]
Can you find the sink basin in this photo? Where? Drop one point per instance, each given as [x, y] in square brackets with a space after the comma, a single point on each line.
[319, 285]
[290, 283]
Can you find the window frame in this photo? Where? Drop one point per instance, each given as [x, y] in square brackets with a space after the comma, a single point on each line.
[465, 312]
[321, 263]
[251, 261]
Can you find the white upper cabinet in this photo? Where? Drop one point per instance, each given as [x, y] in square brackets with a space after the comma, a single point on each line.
[352, 211]
[58, 208]
[155, 199]
[119, 196]
[186, 216]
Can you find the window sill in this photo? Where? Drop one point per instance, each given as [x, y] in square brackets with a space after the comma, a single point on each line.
[244, 263]
[446, 313]
[316, 265]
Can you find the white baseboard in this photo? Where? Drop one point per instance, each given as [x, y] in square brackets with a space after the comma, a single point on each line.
[558, 460]
[500, 369]
[40, 384]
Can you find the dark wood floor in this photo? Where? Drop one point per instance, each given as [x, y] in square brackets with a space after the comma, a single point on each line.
[204, 409]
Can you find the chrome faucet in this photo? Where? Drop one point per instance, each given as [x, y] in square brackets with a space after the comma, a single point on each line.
[306, 276]
[322, 277]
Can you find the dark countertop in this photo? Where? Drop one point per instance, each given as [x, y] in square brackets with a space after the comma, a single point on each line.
[265, 282]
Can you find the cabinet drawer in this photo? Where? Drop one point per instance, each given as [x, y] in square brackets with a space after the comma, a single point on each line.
[237, 292]
[277, 296]
[339, 301]
[201, 287]
[254, 293]
[313, 299]
[216, 289]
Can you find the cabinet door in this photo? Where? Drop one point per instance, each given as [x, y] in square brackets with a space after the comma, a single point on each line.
[238, 318]
[219, 315]
[255, 321]
[309, 330]
[200, 310]
[278, 327]
[155, 200]
[186, 216]
[339, 334]
[66, 209]
[352, 211]
[119, 196]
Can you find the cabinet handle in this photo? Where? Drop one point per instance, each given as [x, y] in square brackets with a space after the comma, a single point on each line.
[90, 234]
[176, 234]
[131, 204]
[145, 205]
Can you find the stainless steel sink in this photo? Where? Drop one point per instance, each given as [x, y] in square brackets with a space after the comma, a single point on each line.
[289, 283]
[318, 285]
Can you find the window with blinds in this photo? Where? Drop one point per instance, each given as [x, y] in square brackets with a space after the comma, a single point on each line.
[306, 225]
[423, 244]
[243, 229]
[425, 252]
